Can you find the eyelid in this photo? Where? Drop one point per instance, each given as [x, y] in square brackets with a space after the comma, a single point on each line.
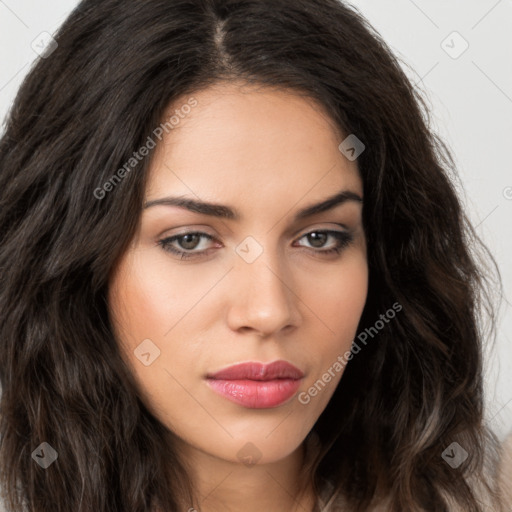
[307, 230]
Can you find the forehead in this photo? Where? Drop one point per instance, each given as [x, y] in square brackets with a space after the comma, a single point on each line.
[240, 140]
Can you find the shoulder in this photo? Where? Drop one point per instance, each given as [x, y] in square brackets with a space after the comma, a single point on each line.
[505, 470]
[504, 481]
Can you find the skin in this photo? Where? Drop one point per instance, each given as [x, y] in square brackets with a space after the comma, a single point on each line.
[268, 154]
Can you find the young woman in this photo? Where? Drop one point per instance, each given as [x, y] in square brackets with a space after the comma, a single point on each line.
[235, 274]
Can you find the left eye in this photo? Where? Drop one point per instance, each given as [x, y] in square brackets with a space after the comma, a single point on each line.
[189, 242]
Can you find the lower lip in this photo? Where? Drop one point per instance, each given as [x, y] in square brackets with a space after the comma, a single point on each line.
[256, 394]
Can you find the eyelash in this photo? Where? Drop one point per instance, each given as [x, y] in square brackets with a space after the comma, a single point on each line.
[343, 241]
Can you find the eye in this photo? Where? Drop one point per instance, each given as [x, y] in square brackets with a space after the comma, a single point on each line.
[318, 238]
[188, 243]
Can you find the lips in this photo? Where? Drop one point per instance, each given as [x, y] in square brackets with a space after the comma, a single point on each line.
[257, 385]
[259, 371]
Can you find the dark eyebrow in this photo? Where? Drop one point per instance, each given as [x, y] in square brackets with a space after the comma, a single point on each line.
[225, 212]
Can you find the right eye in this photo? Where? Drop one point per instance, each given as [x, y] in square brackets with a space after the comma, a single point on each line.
[187, 242]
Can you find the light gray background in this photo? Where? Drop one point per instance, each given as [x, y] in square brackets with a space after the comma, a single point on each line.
[471, 98]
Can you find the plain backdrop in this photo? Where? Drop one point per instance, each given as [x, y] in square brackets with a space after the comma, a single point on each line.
[459, 53]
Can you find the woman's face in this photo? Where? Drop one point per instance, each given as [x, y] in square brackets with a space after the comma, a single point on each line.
[258, 285]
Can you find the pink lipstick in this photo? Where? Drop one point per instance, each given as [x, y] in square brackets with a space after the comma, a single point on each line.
[257, 385]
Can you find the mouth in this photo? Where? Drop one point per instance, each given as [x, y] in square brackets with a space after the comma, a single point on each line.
[257, 385]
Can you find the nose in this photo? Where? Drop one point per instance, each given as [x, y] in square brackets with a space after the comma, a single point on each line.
[263, 298]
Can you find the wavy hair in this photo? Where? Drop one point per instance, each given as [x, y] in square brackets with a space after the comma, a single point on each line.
[81, 113]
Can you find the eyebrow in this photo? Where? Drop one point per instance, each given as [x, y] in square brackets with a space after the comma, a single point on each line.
[225, 212]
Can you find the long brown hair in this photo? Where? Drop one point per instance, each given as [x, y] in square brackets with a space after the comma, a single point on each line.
[78, 117]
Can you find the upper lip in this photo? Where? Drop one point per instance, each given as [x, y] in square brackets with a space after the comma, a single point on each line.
[255, 370]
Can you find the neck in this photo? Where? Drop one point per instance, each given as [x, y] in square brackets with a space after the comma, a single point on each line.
[225, 486]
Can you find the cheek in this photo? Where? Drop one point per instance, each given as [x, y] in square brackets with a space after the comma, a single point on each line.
[339, 303]
[140, 320]
[146, 298]
[149, 304]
